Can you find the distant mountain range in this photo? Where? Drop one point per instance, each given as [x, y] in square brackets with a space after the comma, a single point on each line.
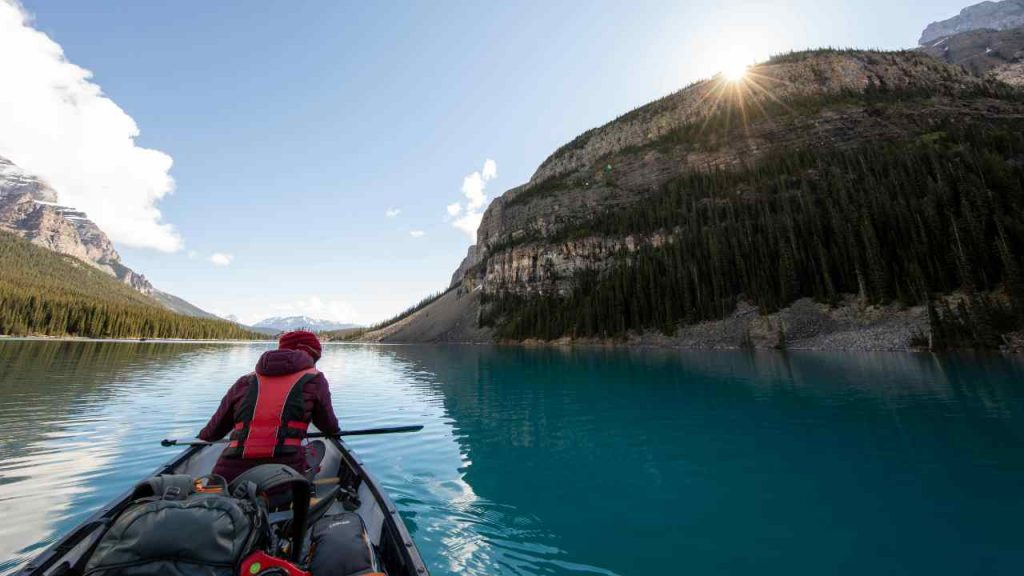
[831, 199]
[283, 324]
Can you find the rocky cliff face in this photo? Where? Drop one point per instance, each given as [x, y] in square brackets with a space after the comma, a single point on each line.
[547, 268]
[984, 16]
[30, 208]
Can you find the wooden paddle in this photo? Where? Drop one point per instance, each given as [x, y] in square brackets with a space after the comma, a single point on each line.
[363, 432]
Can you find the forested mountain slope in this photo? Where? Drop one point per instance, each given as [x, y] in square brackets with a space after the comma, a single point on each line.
[884, 179]
[43, 292]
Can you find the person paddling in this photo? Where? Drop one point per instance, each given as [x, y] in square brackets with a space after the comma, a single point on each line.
[268, 411]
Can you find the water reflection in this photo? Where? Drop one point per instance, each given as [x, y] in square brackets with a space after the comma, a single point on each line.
[621, 459]
[577, 461]
[456, 529]
[78, 423]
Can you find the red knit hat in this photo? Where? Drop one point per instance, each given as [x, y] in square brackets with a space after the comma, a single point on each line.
[301, 340]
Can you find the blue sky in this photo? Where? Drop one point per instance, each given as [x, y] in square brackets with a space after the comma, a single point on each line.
[295, 126]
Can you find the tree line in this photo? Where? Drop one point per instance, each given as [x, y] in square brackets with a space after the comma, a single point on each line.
[897, 221]
[45, 293]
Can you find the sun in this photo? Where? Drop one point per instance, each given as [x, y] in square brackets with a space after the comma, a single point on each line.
[735, 72]
[734, 64]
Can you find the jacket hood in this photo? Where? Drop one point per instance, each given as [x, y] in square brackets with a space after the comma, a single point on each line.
[281, 362]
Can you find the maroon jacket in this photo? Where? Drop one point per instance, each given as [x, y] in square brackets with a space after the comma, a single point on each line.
[317, 402]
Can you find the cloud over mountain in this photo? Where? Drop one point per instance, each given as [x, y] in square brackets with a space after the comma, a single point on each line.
[468, 216]
[58, 124]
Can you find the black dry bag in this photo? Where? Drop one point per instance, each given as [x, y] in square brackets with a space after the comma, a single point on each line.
[341, 547]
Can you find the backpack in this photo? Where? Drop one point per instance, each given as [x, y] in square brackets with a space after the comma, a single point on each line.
[177, 527]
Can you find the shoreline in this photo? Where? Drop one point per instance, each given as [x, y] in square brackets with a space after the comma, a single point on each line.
[564, 344]
[43, 338]
[805, 325]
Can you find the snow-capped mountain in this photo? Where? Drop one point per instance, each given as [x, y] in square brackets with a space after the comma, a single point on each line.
[283, 324]
[986, 39]
[1003, 15]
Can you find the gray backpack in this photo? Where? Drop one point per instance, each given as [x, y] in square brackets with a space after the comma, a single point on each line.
[171, 530]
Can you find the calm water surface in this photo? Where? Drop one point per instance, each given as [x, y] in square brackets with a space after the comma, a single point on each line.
[582, 462]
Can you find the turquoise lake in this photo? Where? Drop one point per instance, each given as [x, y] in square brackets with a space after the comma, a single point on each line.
[550, 461]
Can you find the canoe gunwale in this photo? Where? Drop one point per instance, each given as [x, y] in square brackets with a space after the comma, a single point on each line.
[396, 526]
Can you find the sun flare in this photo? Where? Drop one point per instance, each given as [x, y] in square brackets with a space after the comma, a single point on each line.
[735, 72]
[734, 63]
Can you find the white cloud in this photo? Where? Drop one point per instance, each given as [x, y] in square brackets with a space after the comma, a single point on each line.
[221, 259]
[469, 223]
[417, 233]
[392, 212]
[192, 254]
[473, 188]
[490, 169]
[57, 124]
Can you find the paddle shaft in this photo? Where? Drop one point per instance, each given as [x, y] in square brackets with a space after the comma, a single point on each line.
[363, 432]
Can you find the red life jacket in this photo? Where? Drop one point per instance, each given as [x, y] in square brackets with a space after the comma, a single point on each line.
[270, 422]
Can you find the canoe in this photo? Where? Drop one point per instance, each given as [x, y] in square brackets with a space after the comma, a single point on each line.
[396, 552]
